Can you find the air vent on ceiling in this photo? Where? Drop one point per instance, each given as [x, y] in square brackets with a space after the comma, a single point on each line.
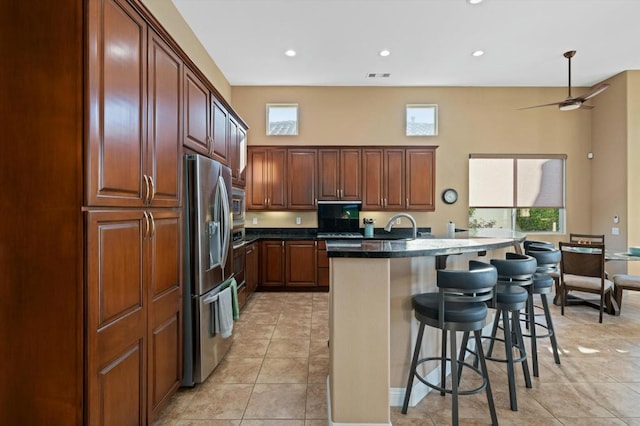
[378, 75]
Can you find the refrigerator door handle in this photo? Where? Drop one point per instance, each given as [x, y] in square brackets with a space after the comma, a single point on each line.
[226, 224]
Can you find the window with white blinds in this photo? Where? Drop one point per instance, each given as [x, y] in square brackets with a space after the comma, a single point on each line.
[516, 181]
[518, 192]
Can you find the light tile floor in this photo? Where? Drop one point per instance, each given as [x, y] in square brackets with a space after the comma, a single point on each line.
[275, 373]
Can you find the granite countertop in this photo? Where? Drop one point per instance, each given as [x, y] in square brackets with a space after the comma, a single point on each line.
[293, 234]
[463, 242]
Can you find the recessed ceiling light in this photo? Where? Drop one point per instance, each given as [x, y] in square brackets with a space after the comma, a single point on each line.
[290, 52]
[477, 53]
[384, 52]
[474, 1]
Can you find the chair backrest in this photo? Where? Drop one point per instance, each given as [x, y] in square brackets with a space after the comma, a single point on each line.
[546, 258]
[474, 285]
[528, 243]
[586, 238]
[461, 286]
[582, 259]
[515, 268]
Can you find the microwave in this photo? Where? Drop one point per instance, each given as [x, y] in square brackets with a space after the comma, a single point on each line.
[237, 206]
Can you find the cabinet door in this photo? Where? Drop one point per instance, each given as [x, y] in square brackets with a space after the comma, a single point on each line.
[301, 264]
[372, 183]
[350, 166]
[394, 179]
[329, 174]
[257, 175]
[196, 117]
[272, 263]
[165, 309]
[234, 150]
[241, 155]
[164, 162]
[277, 179]
[420, 179]
[302, 167]
[251, 272]
[116, 318]
[221, 137]
[117, 116]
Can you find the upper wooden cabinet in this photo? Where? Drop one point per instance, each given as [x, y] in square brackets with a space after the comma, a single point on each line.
[302, 169]
[237, 152]
[118, 115]
[197, 132]
[339, 174]
[135, 131]
[398, 179]
[266, 179]
[420, 179]
[384, 181]
[164, 161]
[220, 143]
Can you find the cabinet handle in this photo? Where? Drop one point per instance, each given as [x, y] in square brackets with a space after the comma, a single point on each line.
[146, 191]
[265, 201]
[315, 201]
[146, 229]
[153, 225]
[381, 202]
[385, 202]
[407, 205]
[153, 189]
[337, 193]
[282, 243]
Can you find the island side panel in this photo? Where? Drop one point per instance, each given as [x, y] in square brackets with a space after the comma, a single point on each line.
[359, 326]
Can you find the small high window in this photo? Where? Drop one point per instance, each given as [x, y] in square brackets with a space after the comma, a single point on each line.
[282, 119]
[422, 120]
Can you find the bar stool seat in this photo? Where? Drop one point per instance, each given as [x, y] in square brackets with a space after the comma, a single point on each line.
[511, 295]
[459, 305]
[426, 305]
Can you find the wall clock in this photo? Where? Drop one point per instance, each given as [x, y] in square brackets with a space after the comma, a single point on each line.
[450, 196]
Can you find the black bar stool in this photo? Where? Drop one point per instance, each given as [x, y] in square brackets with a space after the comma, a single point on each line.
[547, 260]
[515, 275]
[459, 305]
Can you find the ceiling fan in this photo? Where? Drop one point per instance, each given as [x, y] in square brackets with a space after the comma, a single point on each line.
[574, 102]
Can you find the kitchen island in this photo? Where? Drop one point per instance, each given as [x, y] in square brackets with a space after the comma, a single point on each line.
[372, 330]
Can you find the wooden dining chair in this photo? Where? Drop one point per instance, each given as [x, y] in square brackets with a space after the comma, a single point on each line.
[586, 238]
[582, 269]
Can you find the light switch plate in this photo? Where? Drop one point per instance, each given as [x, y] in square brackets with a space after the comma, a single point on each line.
[298, 220]
[255, 221]
[615, 231]
[398, 221]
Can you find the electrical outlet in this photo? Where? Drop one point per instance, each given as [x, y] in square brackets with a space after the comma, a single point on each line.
[399, 221]
[298, 220]
[615, 231]
[255, 221]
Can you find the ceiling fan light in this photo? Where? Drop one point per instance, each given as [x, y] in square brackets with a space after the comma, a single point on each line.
[570, 107]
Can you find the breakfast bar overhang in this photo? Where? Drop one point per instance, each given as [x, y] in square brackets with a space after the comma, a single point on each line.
[371, 324]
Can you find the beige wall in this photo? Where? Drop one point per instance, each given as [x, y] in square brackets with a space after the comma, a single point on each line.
[167, 14]
[471, 120]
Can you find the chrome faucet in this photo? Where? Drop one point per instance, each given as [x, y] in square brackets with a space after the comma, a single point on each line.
[408, 216]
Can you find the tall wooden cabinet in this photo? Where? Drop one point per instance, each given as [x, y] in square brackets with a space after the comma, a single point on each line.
[383, 180]
[91, 294]
[134, 291]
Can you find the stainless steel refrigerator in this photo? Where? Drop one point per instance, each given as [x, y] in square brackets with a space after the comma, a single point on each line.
[208, 263]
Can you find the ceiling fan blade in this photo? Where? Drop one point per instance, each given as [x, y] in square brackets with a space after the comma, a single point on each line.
[584, 106]
[595, 91]
[543, 105]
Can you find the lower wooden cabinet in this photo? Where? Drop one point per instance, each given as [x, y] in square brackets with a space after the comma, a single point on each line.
[288, 264]
[300, 264]
[134, 314]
